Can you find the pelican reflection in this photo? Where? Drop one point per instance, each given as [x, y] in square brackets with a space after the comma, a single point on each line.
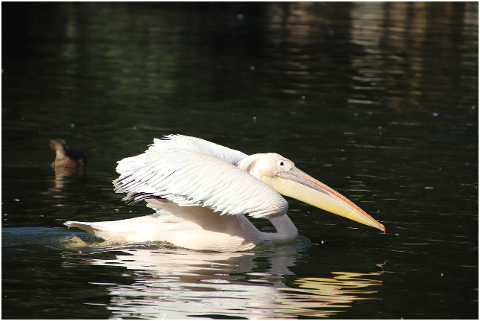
[173, 283]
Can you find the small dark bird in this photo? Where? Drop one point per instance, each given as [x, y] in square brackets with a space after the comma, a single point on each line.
[65, 156]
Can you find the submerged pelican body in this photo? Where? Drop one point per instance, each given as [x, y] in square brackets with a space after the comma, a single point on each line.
[201, 193]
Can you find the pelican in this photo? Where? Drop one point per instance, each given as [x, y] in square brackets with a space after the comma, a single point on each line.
[201, 193]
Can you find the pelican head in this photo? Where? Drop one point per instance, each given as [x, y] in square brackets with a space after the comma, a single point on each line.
[281, 174]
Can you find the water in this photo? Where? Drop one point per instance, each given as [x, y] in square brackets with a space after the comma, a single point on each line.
[377, 100]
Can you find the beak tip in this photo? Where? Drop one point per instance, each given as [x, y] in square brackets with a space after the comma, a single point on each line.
[383, 228]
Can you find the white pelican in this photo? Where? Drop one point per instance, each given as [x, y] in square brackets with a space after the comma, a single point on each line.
[202, 191]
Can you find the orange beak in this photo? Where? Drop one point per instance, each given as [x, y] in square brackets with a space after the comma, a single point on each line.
[301, 186]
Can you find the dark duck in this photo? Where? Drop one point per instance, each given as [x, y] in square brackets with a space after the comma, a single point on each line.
[65, 156]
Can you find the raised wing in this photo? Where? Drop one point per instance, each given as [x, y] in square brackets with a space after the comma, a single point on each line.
[193, 172]
[176, 143]
[201, 146]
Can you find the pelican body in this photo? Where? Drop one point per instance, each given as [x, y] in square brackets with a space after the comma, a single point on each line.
[202, 192]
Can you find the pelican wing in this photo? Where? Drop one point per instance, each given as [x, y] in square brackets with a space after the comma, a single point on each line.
[194, 144]
[197, 173]
[178, 143]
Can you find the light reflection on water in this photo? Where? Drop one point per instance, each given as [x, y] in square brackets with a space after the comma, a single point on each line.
[171, 284]
[62, 178]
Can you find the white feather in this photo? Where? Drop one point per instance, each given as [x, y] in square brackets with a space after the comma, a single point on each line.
[193, 172]
[194, 144]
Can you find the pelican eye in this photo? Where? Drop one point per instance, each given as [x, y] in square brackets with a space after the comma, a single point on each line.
[283, 165]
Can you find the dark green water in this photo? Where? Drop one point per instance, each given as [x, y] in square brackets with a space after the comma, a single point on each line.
[379, 101]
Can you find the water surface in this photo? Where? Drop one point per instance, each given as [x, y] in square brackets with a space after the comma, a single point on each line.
[377, 100]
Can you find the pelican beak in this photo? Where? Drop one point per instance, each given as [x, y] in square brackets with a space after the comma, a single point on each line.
[297, 184]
